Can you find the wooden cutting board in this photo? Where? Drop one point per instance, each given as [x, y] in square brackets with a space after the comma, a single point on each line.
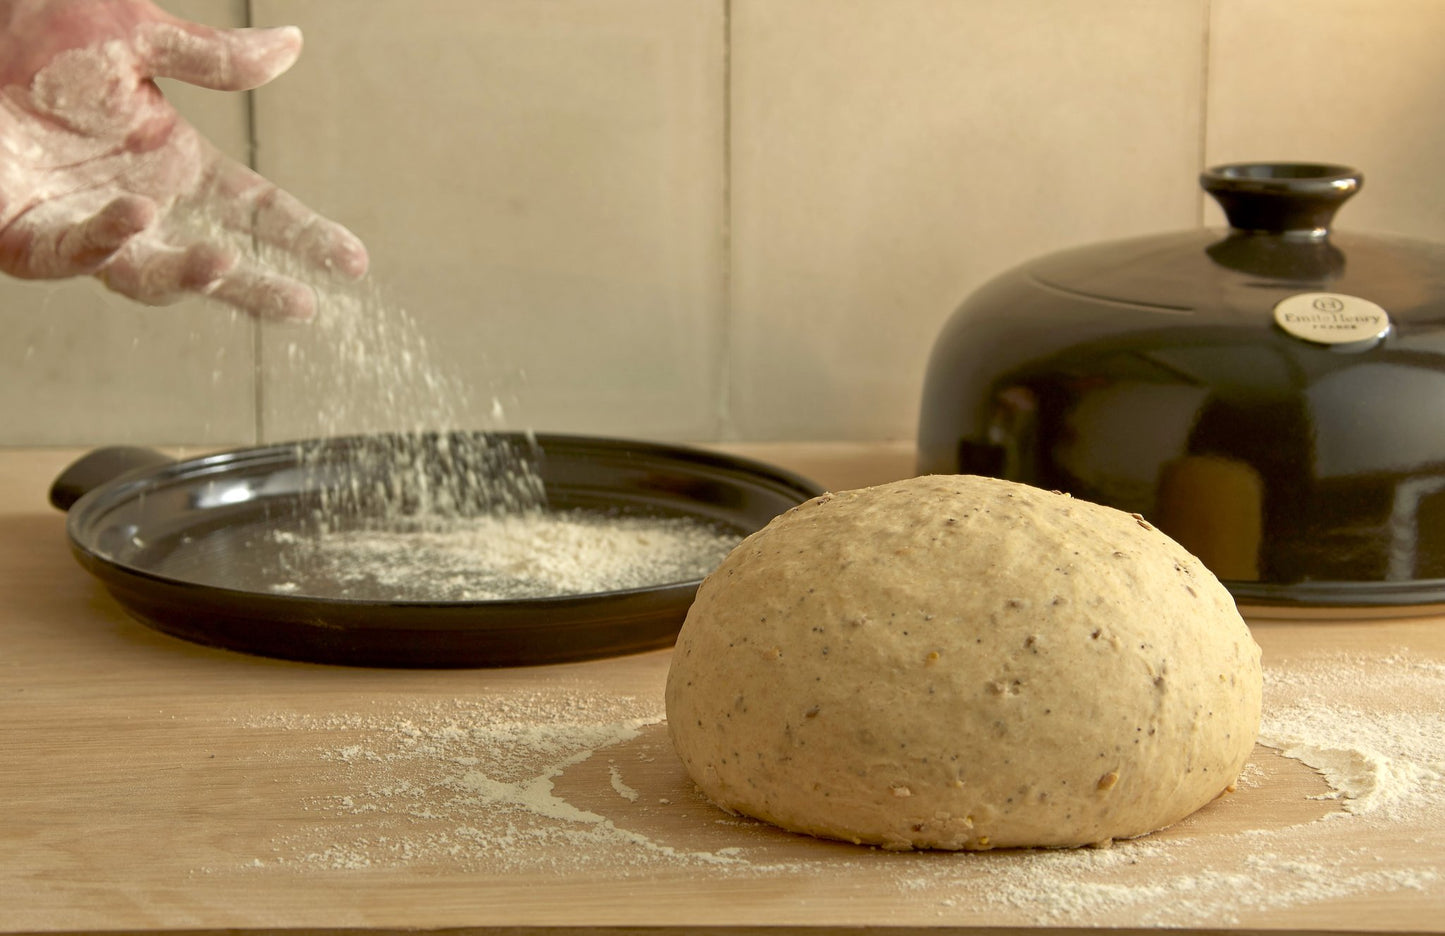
[150, 784]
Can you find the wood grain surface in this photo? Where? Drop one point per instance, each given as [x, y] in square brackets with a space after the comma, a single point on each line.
[148, 784]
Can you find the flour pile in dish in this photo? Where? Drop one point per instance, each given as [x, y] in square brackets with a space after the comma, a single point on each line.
[533, 554]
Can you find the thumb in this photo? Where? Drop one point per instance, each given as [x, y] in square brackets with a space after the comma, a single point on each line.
[219, 59]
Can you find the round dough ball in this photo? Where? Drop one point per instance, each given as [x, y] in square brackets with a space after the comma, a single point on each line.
[963, 663]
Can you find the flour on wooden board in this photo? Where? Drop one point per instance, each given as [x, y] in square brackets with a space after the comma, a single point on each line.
[472, 786]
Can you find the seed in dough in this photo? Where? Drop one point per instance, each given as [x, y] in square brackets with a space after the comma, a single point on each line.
[958, 662]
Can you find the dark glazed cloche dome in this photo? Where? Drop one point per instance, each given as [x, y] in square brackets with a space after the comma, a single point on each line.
[1272, 396]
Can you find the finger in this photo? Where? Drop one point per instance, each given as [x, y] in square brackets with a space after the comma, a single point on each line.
[220, 59]
[254, 206]
[282, 221]
[156, 273]
[58, 239]
[85, 247]
[265, 295]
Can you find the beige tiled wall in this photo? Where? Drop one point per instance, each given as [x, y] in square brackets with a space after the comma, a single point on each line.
[890, 155]
[707, 219]
[541, 184]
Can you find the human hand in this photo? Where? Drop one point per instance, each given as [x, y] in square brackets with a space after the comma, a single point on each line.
[99, 175]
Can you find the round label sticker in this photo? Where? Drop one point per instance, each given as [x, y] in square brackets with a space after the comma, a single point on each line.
[1331, 318]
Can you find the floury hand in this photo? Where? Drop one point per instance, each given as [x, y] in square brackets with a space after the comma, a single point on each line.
[99, 175]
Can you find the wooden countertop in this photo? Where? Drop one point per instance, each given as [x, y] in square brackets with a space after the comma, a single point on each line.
[151, 785]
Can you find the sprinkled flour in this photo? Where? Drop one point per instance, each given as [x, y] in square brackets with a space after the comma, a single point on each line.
[495, 785]
[472, 785]
[1377, 762]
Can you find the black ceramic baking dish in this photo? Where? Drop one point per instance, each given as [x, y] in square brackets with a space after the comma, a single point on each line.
[183, 546]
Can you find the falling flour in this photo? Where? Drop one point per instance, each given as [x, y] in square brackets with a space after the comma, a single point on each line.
[578, 782]
[420, 441]
[409, 507]
[388, 427]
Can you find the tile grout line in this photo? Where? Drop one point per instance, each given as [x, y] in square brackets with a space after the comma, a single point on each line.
[252, 148]
[1203, 152]
[724, 403]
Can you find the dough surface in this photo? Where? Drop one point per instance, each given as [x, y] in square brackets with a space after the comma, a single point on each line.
[963, 663]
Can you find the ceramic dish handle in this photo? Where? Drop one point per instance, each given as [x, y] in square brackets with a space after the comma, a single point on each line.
[95, 468]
